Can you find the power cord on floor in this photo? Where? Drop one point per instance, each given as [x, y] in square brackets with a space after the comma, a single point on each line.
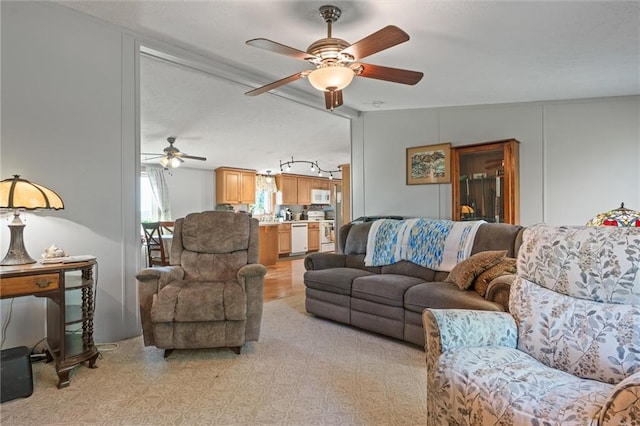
[6, 323]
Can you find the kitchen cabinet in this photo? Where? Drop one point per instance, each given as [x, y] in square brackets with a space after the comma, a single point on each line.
[486, 182]
[304, 191]
[288, 186]
[314, 236]
[268, 241]
[235, 186]
[284, 238]
[319, 183]
[296, 190]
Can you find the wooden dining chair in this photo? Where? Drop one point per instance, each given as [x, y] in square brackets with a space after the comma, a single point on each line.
[156, 253]
[166, 227]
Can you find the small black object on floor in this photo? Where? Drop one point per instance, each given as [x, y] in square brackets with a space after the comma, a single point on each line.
[16, 378]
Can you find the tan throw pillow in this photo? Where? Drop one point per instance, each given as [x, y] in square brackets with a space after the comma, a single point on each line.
[465, 272]
[506, 266]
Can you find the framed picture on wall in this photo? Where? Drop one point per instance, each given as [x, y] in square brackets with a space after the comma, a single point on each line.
[429, 164]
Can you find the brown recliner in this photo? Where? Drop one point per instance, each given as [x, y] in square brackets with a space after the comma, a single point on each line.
[211, 295]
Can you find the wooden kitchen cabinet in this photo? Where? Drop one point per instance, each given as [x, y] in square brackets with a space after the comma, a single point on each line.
[320, 183]
[313, 240]
[284, 238]
[235, 186]
[486, 183]
[304, 191]
[288, 186]
[268, 241]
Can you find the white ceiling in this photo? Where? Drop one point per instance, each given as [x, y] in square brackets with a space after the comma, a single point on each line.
[471, 53]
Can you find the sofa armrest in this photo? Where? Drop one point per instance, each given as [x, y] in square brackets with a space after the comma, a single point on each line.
[150, 281]
[498, 290]
[623, 403]
[317, 261]
[251, 279]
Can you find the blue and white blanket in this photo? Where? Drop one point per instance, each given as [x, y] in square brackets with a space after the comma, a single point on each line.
[434, 244]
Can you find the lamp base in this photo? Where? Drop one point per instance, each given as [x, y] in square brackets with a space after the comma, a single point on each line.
[17, 253]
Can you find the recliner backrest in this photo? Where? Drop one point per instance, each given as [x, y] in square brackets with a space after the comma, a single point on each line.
[576, 299]
[214, 245]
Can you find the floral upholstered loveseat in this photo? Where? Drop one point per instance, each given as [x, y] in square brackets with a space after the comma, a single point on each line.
[567, 353]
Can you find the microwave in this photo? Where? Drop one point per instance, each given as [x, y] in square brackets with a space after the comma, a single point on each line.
[320, 196]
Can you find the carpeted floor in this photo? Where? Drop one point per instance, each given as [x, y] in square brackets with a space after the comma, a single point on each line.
[303, 371]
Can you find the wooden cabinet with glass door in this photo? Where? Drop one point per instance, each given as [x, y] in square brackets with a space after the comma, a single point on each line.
[486, 182]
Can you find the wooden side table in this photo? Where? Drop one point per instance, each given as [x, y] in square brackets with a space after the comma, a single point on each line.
[69, 289]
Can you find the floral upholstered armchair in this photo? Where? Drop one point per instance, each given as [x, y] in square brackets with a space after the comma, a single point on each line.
[210, 295]
[569, 351]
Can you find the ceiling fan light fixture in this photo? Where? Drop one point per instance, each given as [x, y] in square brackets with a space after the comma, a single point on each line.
[172, 162]
[336, 77]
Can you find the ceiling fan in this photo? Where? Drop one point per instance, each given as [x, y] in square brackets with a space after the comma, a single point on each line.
[172, 156]
[337, 62]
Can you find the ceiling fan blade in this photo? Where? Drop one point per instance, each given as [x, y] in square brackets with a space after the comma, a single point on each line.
[276, 84]
[152, 156]
[382, 39]
[193, 157]
[273, 46]
[395, 75]
[332, 99]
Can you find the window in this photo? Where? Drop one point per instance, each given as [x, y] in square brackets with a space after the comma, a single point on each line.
[149, 210]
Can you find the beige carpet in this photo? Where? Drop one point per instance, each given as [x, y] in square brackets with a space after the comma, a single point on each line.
[303, 371]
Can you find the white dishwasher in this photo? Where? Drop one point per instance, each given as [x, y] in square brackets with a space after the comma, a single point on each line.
[299, 234]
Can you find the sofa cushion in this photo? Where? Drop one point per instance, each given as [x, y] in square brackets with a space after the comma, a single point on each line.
[387, 289]
[411, 269]
[498, 236]
[356, 242]
[465, 272]
[505, 267]
[335, 280]
[441, 295]
[510, 387]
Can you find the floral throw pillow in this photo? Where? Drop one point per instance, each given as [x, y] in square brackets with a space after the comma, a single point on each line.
[506, 266]
[465, 272]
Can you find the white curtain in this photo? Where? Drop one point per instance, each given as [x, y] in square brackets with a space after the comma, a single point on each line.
[160, 192]
[266, 183]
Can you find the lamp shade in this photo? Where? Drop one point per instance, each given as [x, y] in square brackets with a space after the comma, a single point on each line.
[618, 217]
[17, 193]
[331, 78]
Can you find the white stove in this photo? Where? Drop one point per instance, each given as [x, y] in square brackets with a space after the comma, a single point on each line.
[327, 233]
[315, 215]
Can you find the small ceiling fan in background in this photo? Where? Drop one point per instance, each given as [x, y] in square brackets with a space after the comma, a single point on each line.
[172, 156]
[337, 62]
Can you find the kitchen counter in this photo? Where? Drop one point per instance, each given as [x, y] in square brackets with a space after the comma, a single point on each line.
[271, 223]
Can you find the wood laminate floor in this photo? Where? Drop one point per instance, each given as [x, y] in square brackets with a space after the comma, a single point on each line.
[284, 279]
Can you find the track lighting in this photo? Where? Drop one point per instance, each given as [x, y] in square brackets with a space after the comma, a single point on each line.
[314, 166]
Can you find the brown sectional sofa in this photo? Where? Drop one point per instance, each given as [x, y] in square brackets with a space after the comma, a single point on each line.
[389, 300]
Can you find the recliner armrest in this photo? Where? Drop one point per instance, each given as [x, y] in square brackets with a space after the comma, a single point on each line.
[251, 279]
[251, 270]
[447, 329]
[622, 405]
[317, 261]
[150, 281]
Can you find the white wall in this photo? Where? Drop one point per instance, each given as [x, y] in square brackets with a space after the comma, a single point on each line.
[191, 190]
[577, 158]
[68, 122]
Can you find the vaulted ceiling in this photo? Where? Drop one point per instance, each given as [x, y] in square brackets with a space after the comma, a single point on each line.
[479, 52]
